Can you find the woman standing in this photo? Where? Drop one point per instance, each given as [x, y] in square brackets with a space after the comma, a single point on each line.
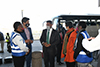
[68, 44]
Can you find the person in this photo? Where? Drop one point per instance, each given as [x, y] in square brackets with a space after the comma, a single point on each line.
[59, 46]
[18, 45]
[82, 56]
[2, 42]
[93, 44]
[49, 39]
[8, 43]
[68, 44]
[28, 37]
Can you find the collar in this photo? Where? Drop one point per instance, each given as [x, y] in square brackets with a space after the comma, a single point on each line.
[50, 29]
[17, 31]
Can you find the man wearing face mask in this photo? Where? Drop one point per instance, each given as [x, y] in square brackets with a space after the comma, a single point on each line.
[49, 39]
[27, 35]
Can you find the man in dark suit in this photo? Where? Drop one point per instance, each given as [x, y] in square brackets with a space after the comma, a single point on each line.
[49, 39]
[27, 35]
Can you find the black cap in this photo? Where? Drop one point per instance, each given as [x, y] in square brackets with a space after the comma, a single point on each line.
[49, 21]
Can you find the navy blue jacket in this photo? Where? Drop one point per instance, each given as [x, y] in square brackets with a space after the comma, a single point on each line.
[1, 36]
[25, 37]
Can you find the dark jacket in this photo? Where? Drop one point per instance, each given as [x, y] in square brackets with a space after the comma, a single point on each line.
[80, 47]
[54, 39]
[25, 37]
[1, 36]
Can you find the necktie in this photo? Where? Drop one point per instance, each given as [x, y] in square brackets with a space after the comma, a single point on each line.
[47, 37]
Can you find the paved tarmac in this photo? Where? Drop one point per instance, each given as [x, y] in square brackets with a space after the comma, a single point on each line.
[36, 46]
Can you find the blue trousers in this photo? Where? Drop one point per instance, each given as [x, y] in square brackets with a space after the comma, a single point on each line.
[29, 56]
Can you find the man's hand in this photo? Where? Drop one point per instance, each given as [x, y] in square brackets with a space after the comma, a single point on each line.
[27, 52]
[31, 41]
[27, 41]
[46, 45]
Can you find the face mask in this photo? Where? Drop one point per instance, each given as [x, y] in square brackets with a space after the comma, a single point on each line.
[76, 28]
[48, 27]
[27, 25]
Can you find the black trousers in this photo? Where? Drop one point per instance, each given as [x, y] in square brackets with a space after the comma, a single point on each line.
[49, 58]
[98, 64]
[70, 64]
[19, 61]
[59, 48]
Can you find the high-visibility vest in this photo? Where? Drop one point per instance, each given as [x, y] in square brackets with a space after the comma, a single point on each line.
[82, 57]
[16, 51]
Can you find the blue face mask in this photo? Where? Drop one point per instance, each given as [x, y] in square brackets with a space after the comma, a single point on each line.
[27, 25]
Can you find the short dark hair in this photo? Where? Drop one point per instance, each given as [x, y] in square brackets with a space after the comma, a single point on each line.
[82, 23]
[16, 24]
[69, 24]
[49, 21]
[25, 19]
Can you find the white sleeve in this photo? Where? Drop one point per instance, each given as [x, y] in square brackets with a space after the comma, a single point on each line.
[18, 40]
[92, 45]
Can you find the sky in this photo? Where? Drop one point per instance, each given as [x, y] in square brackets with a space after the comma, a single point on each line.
[41, 10]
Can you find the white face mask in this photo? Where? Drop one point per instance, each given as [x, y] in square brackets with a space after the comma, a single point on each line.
[48, 27]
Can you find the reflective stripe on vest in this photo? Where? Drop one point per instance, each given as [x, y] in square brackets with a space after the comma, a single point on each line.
[16, 51]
